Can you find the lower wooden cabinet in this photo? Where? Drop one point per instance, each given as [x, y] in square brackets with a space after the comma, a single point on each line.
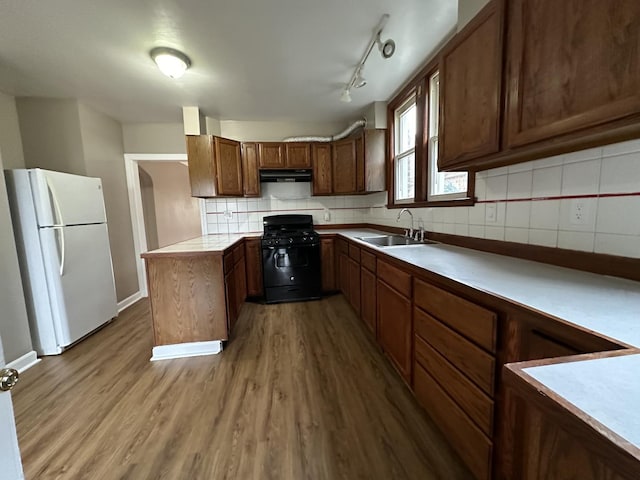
[253, 258]
[394, 327]
[235, 280]
[328, 259]
[368, 299]
[354, 284]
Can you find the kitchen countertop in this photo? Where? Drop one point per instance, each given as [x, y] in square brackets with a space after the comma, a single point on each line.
[590, 386]
[202, 244]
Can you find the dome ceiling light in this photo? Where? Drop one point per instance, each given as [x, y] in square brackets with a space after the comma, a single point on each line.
[171, 62]
[387, 49]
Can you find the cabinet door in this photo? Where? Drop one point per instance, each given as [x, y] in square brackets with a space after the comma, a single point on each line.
[327, 255]
[201, 167]
[228, 167]
[343, 273]
[322, 178]
[470, 86]
[375, 164]
[344, 167]
[271, 155]
[394, 327]
[359, 145]
[230, 289]
[253, 257]
[250, 174]
[368, 298]
[298, 155]
[241, 284]
[570, 66]
[354, 285]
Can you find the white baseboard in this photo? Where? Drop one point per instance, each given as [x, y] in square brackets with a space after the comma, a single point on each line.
[183, 350]
[127, 302]
[25, 362]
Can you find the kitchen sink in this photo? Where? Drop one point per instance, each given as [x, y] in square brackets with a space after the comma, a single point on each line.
[391, 240]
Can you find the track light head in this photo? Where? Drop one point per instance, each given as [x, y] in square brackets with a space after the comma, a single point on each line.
[346, 96]
[387, 49]
[359, 81]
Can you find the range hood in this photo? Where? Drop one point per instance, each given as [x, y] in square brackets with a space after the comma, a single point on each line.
[285, 175]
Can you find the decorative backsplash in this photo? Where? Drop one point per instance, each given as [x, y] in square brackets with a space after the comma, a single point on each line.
[587, 200]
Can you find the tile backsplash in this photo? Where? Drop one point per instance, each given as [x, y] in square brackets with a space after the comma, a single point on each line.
[587, 200]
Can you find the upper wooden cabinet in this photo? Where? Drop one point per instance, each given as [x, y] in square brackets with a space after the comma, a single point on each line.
[322, 174]
[272, 155]
[358, 164]
[570, 66]
[344, 166]
[298, 155]
[470, 86]
[250, 174]
[215, 166]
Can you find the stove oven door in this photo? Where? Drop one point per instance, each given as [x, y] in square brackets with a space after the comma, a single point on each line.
[291, 273]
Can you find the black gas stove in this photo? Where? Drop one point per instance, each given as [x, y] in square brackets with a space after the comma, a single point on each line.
[290, 259]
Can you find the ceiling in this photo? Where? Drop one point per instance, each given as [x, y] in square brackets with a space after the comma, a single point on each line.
[252, 59]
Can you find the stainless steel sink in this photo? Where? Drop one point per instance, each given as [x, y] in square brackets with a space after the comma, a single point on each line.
[390, 240]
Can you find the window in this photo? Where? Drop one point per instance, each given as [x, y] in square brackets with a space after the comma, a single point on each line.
[442, 185]
[405, 152]
[414, 117]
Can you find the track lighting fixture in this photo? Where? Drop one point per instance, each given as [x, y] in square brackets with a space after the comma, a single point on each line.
[387, 49]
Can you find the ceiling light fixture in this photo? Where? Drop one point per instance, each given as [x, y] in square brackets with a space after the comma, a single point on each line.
[387, 49]
[173, 63]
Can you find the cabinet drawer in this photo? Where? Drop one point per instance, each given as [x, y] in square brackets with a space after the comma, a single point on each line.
[472, 321]
[354, 252]
[342, 246]
[476, 404]
[368, 260]
[471, 444]
[228, 262]
[471, 360]
[395, 277]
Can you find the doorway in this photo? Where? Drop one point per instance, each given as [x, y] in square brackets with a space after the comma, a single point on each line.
[162, 209]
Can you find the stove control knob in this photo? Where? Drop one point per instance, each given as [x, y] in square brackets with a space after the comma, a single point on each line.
[290, 239]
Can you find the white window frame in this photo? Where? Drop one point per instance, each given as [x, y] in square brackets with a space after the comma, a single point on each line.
[432, 159]
[397, 155]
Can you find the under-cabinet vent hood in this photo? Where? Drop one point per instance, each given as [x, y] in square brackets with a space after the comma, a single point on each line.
[285, 175]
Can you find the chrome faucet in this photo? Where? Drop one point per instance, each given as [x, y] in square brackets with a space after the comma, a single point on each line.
[409, 232]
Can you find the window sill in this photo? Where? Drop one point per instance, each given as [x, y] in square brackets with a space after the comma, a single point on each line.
[457, 202]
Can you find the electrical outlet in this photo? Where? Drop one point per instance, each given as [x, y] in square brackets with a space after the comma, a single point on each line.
[228, 214]
[491, 213]
[327, 215]
[579, 212]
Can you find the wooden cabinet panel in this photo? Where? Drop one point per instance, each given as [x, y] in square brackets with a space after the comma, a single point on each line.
[201, 168]
[232, 303]
[250, 173]
[228, 167]
[343, 273]
[395, 277]
[187, 299]
[253, 258]
[354, 252]
[476, 364]
[472, 445]
[344, 169]
[368, 298]
[322, 174]
[470, 87]
[298, 155]
[360, 167]
[375, 157]
[241, 284]
[571, 65]
[327, 256]
[475, 403]
[474, 322]
[354, 284]
[271, 155]
[394, 327]
[368, 260]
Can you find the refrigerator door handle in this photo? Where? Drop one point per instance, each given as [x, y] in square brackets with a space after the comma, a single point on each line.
[60, 229]
[56, 205]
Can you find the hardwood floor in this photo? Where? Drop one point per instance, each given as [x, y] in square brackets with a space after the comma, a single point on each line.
[300, 392]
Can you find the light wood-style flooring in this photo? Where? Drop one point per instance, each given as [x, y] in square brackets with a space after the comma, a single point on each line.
[300, 392]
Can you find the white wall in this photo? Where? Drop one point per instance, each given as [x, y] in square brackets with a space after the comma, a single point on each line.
[533, 203]
[467, 9]
[104, 158]
[245, 131]
[10, 142]
[14, 326]
[153, 138]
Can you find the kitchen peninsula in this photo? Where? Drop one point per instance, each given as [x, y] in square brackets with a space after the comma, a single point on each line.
[448, 318]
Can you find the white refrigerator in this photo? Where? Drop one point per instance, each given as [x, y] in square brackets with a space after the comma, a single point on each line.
[65, 259]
